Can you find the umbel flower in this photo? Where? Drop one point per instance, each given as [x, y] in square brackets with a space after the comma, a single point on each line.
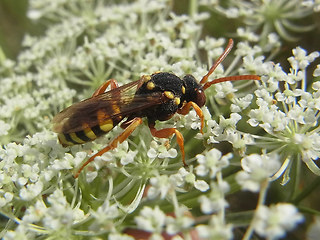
[255, 131]
[289, 116]
[265, 16]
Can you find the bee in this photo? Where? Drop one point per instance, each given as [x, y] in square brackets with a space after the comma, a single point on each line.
[156, 97]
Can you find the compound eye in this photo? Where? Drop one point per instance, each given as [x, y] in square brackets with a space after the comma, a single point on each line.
[200, 98]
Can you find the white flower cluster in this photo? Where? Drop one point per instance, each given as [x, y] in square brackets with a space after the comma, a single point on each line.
[273, 222]
[289, 115]
[267, 16]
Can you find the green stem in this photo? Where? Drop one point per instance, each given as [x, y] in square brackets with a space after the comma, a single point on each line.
[193, 7]
[262, 197]
[309, 189]
[296, 177]
[2, 56]
[221, 213]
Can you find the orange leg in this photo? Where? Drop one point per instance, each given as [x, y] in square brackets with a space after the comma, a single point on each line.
[166, 133]
[123, 136]
[186, 109]
[104, 86]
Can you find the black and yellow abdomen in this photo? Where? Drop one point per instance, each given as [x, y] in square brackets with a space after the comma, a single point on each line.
[87, 134]
[88, 129]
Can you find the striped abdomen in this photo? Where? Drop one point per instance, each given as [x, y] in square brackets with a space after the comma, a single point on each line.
[87, 134]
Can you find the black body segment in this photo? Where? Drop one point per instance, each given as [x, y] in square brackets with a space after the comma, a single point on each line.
[169, 87]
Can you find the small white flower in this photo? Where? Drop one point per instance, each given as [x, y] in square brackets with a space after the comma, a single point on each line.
[180, 222]
[309, 146]
[4, 128]
[60, 214]
[65, 163]
[30, 172]
[160, 185]
[240, 141]
[240, 104]
[231, 122]
[274, 74]
[217, 229]
[270, 117]
[22, 181]
[121, 152]
[20, 233]
[273, 42]
[302, 115]
[213, 46]
[215, 201]
[184, 177]
[300, 59]
[90, 176]
[273, 222]
[316, 72]
[192, 120]
[151, 220]
[247, 34]
[201, 185]
[232, 12]
[7, 198]
[211, 163]
[36, 212]
[161, 150]
[79, 157]
[244, 49]
[256, 169]
[31, 191]
[221, 132]
[256, 65]
[224, 89]
[105, 215]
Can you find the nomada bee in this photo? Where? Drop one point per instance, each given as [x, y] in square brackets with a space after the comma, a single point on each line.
[157, 97]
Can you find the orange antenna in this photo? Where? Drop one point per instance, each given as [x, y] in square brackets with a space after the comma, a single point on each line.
[231, 78]
[207, 84]
[219, 60]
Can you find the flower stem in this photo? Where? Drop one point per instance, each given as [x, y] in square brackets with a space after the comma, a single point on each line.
[262, 197]
[193, 7]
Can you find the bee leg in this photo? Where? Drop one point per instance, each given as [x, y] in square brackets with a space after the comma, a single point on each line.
[186, 109]
[166, 133]
[123, 136]
[104, 86]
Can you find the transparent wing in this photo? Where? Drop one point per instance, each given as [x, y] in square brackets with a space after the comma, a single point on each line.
[120, 101]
